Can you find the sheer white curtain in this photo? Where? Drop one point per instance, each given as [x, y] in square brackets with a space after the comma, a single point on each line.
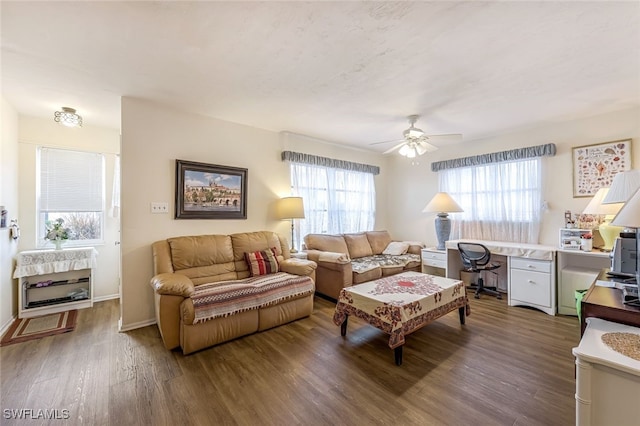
[501, 201]
[335, 200]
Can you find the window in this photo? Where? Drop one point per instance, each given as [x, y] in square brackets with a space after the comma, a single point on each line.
[501, 201]
[70, 186]
[335, 200]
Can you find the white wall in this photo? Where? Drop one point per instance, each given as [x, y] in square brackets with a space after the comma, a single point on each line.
[411, 187]
[34, 132]
[153, 138]
[9, 199]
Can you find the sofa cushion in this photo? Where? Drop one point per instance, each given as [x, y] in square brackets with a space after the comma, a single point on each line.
[396, 248]
[262, 262]
[324, 242]
[358, 245]
[201, 250]
[248, 242]
[378, 240]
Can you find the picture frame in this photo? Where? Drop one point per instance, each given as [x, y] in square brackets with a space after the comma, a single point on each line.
[594, 166]
[210, 191]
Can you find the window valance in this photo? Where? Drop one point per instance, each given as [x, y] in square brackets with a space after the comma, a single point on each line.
[298, 157]
[496, 157]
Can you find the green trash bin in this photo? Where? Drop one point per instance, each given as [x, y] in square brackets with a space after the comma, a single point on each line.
[579, 295]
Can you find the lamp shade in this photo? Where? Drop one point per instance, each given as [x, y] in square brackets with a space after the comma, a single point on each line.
[442, 203]
[290, 208]
[629, 215]
[623, 186]
[596, 206]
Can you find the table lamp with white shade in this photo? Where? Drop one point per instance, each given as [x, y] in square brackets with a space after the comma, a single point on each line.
[608, 232]
[629, 217]
[442, 204]
[623, 186]
[291, 208]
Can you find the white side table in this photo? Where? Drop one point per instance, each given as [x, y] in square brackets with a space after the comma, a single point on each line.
[607, 382]
[434, 261]
[299, 255]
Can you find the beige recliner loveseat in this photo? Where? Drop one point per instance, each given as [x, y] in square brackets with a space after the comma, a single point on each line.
[205, 294]
[348, 259]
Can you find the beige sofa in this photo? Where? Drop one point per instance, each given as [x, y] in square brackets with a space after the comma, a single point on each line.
[348, 259]
[204, 293]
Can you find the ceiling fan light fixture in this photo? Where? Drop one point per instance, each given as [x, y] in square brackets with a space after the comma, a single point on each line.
[404, 150]
[420, 149]
[413, 133]
[67, 117]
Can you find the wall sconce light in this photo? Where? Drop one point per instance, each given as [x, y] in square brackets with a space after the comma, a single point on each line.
[67, 117]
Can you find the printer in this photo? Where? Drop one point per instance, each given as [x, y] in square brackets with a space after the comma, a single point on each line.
[623, 257]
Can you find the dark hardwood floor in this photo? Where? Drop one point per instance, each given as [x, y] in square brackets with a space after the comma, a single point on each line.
[506, 366]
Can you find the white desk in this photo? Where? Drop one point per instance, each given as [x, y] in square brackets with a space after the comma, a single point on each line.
[529, 275]
[577, 270]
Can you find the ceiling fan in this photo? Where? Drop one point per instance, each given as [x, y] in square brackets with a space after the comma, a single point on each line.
[415, 140]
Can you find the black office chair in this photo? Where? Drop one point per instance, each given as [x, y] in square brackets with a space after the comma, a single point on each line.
[475, 258]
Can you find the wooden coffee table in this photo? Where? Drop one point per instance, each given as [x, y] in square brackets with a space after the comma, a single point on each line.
[401, 304]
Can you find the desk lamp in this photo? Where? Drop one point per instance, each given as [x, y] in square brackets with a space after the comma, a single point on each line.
[442, 204]
[291, 208]
[608, 232]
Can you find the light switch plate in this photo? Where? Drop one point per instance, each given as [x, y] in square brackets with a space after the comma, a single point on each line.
[159, 207]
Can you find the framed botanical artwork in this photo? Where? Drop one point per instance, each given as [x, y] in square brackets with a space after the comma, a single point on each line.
[594, 166]
[209, 191]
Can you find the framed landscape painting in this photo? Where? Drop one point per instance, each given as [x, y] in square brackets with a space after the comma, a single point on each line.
[594, 166]
[210, 191]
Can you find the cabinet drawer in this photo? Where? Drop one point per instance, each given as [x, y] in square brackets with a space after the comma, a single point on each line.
[531, 264]
[531, 287]
[436, 259]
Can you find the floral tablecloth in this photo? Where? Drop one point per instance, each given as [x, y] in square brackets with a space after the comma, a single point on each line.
[40, 262]
[402, 303]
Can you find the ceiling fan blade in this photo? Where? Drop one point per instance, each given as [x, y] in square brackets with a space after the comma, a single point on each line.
[394, 148]
[394, 140]
[427, 147]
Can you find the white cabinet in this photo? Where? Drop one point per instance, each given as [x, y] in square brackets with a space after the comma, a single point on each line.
[607, 382]
[532, 283]
[434, 262]
[51, 281]
[577, 270]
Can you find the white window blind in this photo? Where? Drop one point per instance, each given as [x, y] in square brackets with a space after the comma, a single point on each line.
[71, 188]
[71, 181]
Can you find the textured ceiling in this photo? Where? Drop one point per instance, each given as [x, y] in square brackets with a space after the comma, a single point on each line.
[346, 72]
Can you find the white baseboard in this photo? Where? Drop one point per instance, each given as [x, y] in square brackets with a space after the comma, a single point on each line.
[135, 325]
[107, 297]
[6, 325]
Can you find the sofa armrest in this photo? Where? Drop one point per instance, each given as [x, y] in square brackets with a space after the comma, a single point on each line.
[172, 284]
[298, 266]
[328, 256]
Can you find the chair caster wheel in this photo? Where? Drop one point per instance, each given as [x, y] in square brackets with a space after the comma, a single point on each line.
[499, 297]
[477, 296]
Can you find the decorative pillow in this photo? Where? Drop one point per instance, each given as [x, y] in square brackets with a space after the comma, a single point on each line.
[396, 248]
[261, 262]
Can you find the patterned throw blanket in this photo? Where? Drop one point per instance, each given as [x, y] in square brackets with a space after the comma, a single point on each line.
[368, 263]
[225, 298]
